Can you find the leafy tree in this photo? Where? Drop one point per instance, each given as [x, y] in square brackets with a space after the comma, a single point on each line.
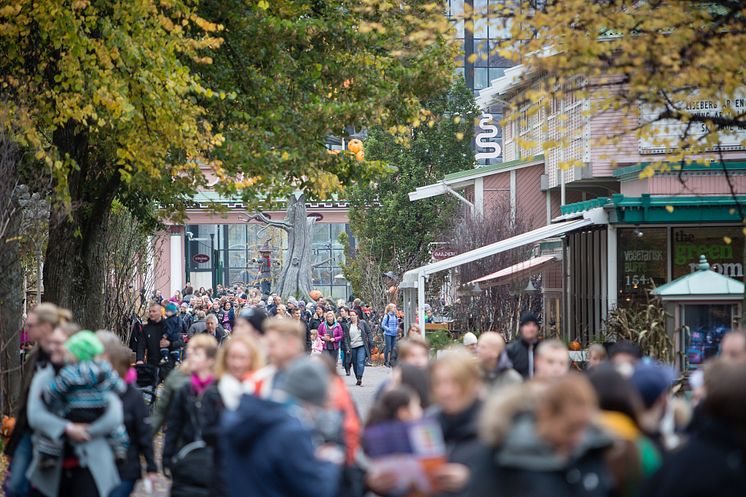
[650, 62]
[392, 233]
[121, 101]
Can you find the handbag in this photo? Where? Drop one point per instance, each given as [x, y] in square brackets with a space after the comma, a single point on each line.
[192, 465]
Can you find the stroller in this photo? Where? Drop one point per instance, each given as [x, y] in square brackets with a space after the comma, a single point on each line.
[147, 382]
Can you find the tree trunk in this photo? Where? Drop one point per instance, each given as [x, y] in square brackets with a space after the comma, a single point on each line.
[296, 278]
[74, 266]
[11, 312]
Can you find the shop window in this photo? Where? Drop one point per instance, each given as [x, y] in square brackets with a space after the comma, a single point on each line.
[722, 245]
[642, 258]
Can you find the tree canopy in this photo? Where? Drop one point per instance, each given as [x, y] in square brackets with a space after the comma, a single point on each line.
[391, 231]
[673, 71]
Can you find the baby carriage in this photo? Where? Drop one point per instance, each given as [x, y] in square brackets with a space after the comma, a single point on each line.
[147, 382]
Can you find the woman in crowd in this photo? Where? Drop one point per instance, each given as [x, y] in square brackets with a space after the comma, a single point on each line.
[357, 337]
[191, 418]
[227, 317]
[136, 422]
[390, 326]
[634, 457]
[317, 318]
[87, 458]
[542, 443]
[331, 333]
[413, 330]
[456, 384]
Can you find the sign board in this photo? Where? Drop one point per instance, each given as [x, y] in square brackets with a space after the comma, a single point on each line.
[201, 258]
[667, 132]
[485, 139]
[443, 253]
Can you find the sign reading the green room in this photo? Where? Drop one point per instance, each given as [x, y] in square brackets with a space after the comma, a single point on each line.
[722, 245]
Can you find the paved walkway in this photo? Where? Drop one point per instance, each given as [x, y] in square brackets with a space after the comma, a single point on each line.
[362, 395]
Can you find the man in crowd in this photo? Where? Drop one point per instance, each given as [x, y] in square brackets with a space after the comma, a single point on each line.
[213, 328]
[295, 314]
[522, 352]
[285, 340]
[733, 346]
[493, 360]
[552, 360]
[153, 337]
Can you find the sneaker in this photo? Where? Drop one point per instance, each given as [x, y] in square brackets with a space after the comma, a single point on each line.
[348, 373]
[359, 382]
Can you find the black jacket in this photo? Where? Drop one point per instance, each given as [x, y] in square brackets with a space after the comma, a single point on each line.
[460, 433]
[523, 466]
[712, 462]
[518, 352]
[149, 344]
[364, 329]
[186, 409]
[137, 423]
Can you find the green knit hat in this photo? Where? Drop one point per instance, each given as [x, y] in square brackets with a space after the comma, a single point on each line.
[84, 345]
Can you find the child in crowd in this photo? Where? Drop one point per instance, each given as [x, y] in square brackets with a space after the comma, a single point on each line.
[398, 404]
[79, 394]
[172, 333]
[596, 355]
[317, 345]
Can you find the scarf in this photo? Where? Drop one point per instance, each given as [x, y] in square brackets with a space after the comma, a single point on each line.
[199, 386]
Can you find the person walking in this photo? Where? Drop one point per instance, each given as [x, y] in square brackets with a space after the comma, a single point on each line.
[390, 325]
[344, 346]
[522, 352]
[497, 370]
[190, 438]
[357, 337]
[331, 333]
[153, 337]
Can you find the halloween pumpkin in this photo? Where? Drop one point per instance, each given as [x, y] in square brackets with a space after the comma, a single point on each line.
[575, 345]
[355, 146]
[360, 156]
[315, 294]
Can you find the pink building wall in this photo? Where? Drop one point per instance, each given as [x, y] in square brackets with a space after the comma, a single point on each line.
[704, 183]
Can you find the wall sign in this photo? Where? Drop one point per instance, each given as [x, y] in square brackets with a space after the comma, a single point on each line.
[725, 258]
[200, 258]
[443, 253]
[485, 139]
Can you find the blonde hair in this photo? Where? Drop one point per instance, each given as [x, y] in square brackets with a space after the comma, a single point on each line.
[256, 355]
[205, 342]
[463, 366]
[390, 307]
[552, 344]
[599, 349]
[48, 313]
[285, 328]
[120, 358]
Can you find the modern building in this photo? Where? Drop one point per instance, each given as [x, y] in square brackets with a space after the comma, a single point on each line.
[602, 233]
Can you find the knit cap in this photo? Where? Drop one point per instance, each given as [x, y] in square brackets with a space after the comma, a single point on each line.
[308, 381]
[470, 339]
[84, 345]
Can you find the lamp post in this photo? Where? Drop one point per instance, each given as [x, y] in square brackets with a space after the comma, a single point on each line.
[212, 261]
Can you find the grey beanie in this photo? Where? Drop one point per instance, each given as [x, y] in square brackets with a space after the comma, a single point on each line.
[307, 381]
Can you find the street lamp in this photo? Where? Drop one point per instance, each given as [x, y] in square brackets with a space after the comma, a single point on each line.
[212, 262]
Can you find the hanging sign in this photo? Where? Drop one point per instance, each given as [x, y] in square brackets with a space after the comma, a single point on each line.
[485, 139]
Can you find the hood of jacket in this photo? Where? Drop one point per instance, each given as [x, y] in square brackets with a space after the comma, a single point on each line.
[254, 418]
[523, 449]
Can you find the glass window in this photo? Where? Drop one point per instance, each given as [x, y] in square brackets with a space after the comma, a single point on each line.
[336, 230]
[707, 323]
[237, 258]
[722, 245]
[481, 75]
[482, 51]
[641, 261]
[496, 72]
[240, 276]
[480, 19]
[236, 236]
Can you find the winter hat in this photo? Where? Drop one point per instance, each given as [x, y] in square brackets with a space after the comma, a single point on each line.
[528, 317]
[470, 339]
[255, 317]
[308, 381]
[84, 345]
[292, 300]
[171, 307]
[301, 303]
[651, 380]
[427, 307]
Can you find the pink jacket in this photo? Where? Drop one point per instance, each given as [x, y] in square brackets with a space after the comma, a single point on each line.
[336, 332]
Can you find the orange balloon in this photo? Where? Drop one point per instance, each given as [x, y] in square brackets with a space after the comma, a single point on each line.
[360, 156]
[355, 146]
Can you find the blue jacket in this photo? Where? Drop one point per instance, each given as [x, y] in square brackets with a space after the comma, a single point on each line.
[268, 452]
[390, 324]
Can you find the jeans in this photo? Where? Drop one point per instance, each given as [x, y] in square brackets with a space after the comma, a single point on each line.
[124, 489]
[358, 361]
[17, 485]
[388, 351]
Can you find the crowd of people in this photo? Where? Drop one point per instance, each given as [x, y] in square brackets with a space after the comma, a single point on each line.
[253, 401]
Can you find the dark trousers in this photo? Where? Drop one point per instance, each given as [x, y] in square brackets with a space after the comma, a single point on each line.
[388, 351]
[77, 482]
[334, 354]
[358, 361]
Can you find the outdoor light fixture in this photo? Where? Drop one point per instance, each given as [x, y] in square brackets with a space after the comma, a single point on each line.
[638, 233]
[530, 288]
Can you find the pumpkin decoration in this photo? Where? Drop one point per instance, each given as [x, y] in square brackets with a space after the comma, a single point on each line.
[315, 294]
[360, 156]
[375, 350]
[7, 427]
[575, 346]
[355, 146]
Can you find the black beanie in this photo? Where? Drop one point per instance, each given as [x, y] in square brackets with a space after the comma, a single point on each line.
[528, 317]
[255, 317]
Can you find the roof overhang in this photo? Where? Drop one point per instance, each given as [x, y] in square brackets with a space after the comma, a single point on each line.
[514, 242]
[516, 271]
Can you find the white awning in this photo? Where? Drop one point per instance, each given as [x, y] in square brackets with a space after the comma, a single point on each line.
[508, 274]
[536, 235]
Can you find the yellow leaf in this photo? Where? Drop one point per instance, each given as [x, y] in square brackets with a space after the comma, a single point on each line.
[669, 208]
[728, 240]
[263, 4]
[39, 155]
[472, 58]
[459, 136]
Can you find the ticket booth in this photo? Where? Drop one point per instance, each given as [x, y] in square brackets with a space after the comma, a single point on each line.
[704, 305]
